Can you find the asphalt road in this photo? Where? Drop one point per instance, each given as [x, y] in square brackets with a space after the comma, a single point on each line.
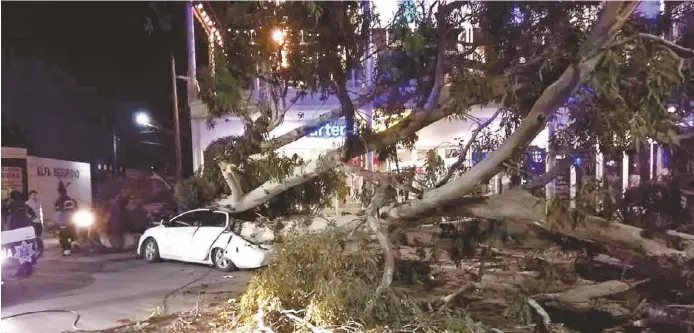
[108, 290]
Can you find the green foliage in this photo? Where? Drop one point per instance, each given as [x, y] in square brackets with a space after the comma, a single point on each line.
[209, 184]
[318, 279]
[332, 41]
[593, 198]
[222, 92]
[434, 169]
[317, 193]
[521, 311]
[328, 284]
[655, 205]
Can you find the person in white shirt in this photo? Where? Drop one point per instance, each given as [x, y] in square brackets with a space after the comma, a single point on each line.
[36, 206]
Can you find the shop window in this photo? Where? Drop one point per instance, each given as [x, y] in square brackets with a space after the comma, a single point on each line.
[535, 161]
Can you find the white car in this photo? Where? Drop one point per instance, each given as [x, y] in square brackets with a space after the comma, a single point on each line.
[202, 236]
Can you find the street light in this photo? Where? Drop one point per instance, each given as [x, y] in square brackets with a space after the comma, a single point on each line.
[142, 119]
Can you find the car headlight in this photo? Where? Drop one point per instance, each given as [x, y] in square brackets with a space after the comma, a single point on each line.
[83, 218]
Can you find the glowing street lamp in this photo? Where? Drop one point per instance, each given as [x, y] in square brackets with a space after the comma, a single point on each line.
[142, 119]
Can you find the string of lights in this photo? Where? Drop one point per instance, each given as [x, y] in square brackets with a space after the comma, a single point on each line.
[212, 30]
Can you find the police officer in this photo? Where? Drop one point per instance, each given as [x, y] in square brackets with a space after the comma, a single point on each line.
[66, 207]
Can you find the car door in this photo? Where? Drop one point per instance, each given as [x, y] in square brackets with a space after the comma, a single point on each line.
[179, 232]
[212, 226]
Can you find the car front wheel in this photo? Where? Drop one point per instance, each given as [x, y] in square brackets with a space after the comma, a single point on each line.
[151, 250]
[222, 262]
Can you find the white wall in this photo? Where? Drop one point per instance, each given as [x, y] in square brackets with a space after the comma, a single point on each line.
[44, 175]
[442, 131]
[13, 152]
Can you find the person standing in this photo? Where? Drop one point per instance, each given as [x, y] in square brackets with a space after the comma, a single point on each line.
[20, 215]
[66, 207]
[35, 205]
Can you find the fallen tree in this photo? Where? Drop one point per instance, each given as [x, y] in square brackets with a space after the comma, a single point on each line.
[612, 82]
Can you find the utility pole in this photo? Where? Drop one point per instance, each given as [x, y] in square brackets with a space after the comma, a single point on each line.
[369, 79]
[190, 38]
[177, 126]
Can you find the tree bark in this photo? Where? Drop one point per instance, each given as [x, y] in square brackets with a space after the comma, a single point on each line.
[463, 153]
[380, 177]
[521, 207]
[382, 237]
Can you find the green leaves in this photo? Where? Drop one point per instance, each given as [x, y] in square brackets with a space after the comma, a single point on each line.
[630, 93]
[222, 93]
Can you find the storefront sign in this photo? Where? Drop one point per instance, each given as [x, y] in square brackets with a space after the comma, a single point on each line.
[336, 129]
[12, 178]
[45, 171]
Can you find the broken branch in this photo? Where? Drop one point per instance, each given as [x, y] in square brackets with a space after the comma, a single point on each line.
[463, 153]
[373, 221]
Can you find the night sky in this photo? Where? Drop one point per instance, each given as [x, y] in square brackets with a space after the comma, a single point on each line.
[105, 46]
[102, 44]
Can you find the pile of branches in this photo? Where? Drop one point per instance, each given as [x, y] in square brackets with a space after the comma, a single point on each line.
[580, 271]
[320, 283]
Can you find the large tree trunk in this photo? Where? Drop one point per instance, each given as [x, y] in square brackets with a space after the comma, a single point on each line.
[521, 207]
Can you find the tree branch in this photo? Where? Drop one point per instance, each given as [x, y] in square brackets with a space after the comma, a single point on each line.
[549, 176]
[611, 20]
[156, 176]
[389, 266]
[581, 298]
[522, 208]
[232, 179]
[431, 112]
[463, 153]
[314, 124]
[380, 178]
[678, 49]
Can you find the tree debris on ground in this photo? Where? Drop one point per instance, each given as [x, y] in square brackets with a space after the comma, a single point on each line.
[441, 253]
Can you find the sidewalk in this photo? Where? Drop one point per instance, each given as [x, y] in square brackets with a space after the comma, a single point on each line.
[52, 252]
